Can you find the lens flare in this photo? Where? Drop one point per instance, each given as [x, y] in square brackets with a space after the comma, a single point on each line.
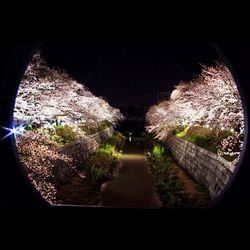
[13, 131]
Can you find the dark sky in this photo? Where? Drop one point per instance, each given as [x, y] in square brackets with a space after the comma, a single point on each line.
[129, 72]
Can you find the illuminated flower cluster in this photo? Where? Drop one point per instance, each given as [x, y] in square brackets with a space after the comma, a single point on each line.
[46, 94]
[212, 100]
[39, 156]
[48, 97]
[231, 147]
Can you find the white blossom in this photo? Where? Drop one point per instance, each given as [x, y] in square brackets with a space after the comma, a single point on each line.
[211, 100]
[45, 94]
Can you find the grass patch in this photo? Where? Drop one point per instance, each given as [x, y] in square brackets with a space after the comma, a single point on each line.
[84, 188]
[181, 133]
[59, 135]
[207, 138]
[170, 186]
[102, 163]
[64, 134]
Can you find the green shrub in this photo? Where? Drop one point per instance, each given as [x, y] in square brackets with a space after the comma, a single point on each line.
[158, 151]
[198, 130]
[106, 149]
[207, 138]
[182, 133]
[97, 174]
[170, 186]
[178, 129]
[88, 128]
[206, 143]
[117, 140]
[92, 128]
[58, 134]
[102, 163]
[160, 160]
[100, 166]
[104, 124]
[57, 139]
[66, 134]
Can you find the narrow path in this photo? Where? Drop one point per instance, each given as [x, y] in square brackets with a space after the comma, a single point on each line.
[134, 186]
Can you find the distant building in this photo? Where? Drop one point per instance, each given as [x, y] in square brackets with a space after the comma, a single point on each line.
[163, 95]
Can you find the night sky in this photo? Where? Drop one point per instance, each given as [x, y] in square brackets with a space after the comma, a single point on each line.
[128, 73]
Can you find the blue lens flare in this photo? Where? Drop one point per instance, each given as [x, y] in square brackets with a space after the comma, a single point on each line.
[13, 131]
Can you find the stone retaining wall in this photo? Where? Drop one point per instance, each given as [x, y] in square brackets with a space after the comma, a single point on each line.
[80, 150]
[206, 167]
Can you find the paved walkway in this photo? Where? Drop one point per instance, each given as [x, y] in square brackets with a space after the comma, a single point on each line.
[134, 186]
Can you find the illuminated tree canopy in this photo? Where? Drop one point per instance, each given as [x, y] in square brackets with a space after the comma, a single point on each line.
[212, 100]
[46, 94]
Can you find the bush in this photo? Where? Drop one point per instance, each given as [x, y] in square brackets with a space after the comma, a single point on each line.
[104, 124]
[93, 128]
[57, 139]
[106, 149]
[169, 186]
[179, 129]
[60, 134]
[158, 151]
[102, 163]
[206, 143]
[97, 173]
[88, 128]
[207, 138]
[160, 160]
[117, 140]
[65, 134]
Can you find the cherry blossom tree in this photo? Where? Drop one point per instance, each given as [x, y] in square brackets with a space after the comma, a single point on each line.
[39, 157]
[46, 94]
[210, 100]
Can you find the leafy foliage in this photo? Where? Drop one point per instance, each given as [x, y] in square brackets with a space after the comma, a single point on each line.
[102, 163]
[66, 134]
[92, 128]
[85, 186]
[117, 140]
[60, 134]
[213, 140]
[169, 185]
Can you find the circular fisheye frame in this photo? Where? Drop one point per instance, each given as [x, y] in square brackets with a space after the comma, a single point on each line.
[132, 125]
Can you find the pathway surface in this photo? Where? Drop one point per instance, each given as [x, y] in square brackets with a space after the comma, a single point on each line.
[134, 186]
